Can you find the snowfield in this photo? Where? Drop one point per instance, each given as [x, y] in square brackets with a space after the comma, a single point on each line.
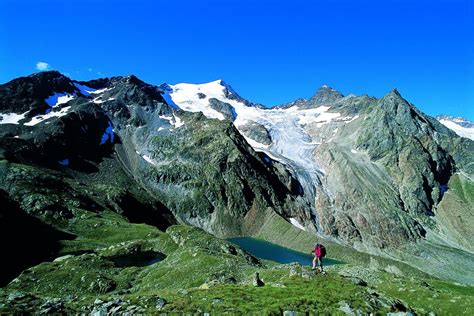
[11, 118]
[295, 223]
[460, 130]
[186, 96]
[291, 145]
[40, 118]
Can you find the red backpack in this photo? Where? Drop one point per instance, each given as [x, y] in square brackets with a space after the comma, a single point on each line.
[320, 251]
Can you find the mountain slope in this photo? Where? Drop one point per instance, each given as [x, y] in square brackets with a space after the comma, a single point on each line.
[377, 175]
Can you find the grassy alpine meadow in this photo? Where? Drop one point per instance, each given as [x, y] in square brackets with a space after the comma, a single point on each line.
[198, 273]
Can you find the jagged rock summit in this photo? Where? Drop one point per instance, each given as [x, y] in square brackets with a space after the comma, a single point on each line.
[325, 95]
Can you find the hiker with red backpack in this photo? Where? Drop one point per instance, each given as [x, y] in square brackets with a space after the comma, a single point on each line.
[319, 253]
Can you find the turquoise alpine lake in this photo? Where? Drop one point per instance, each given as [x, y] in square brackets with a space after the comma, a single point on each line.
[269, 251]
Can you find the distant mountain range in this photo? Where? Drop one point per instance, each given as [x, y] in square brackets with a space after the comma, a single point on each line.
[461, 126]
[375, 174]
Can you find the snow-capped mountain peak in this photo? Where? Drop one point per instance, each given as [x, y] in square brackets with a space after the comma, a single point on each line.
[459, 125]
[280, 133]
[197, 97]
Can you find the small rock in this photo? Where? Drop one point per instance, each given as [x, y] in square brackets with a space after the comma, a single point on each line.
[115, 310]
[358, 281]
[308, 274]
[99, 311]
[279, 285]
[216, 300]
[108, 305]
[51, 306]
[295, 270]
[204, 286]
[183, 292]
[257, 281]
[289, 313]
[160, 303]
[102, 285]
[393, 270]
[346, 308]
[230, 280]
[355, 280]
[229, 249]
[16, 296]
[62, 258]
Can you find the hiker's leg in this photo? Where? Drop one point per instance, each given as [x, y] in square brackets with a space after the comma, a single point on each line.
[315, 262]
[321, 263]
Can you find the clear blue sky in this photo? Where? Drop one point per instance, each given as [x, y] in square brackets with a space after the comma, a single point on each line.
[270, 51]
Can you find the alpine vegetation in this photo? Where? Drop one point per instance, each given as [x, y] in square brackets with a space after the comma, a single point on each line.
[120, 196]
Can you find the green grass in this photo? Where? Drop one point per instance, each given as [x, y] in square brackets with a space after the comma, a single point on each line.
[202, 273]
[100, 230]
[463, 188]
[321, 294]
[442, 297]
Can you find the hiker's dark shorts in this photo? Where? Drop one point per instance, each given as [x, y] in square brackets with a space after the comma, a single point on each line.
[320, 261]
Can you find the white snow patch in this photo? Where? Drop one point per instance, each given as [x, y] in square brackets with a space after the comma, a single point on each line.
[354, 151]
[255, 144]
[148, 159]
[11, 118]
[295, 223]
[186, 97]
[161, 128]
[99, 100]
[173, 120]
[350, 95]
[178, 122]
[164, 117]
[318, 115]
[353, 119]
[16, 136]
[99, 91]
[40, 118]
[460, 130]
